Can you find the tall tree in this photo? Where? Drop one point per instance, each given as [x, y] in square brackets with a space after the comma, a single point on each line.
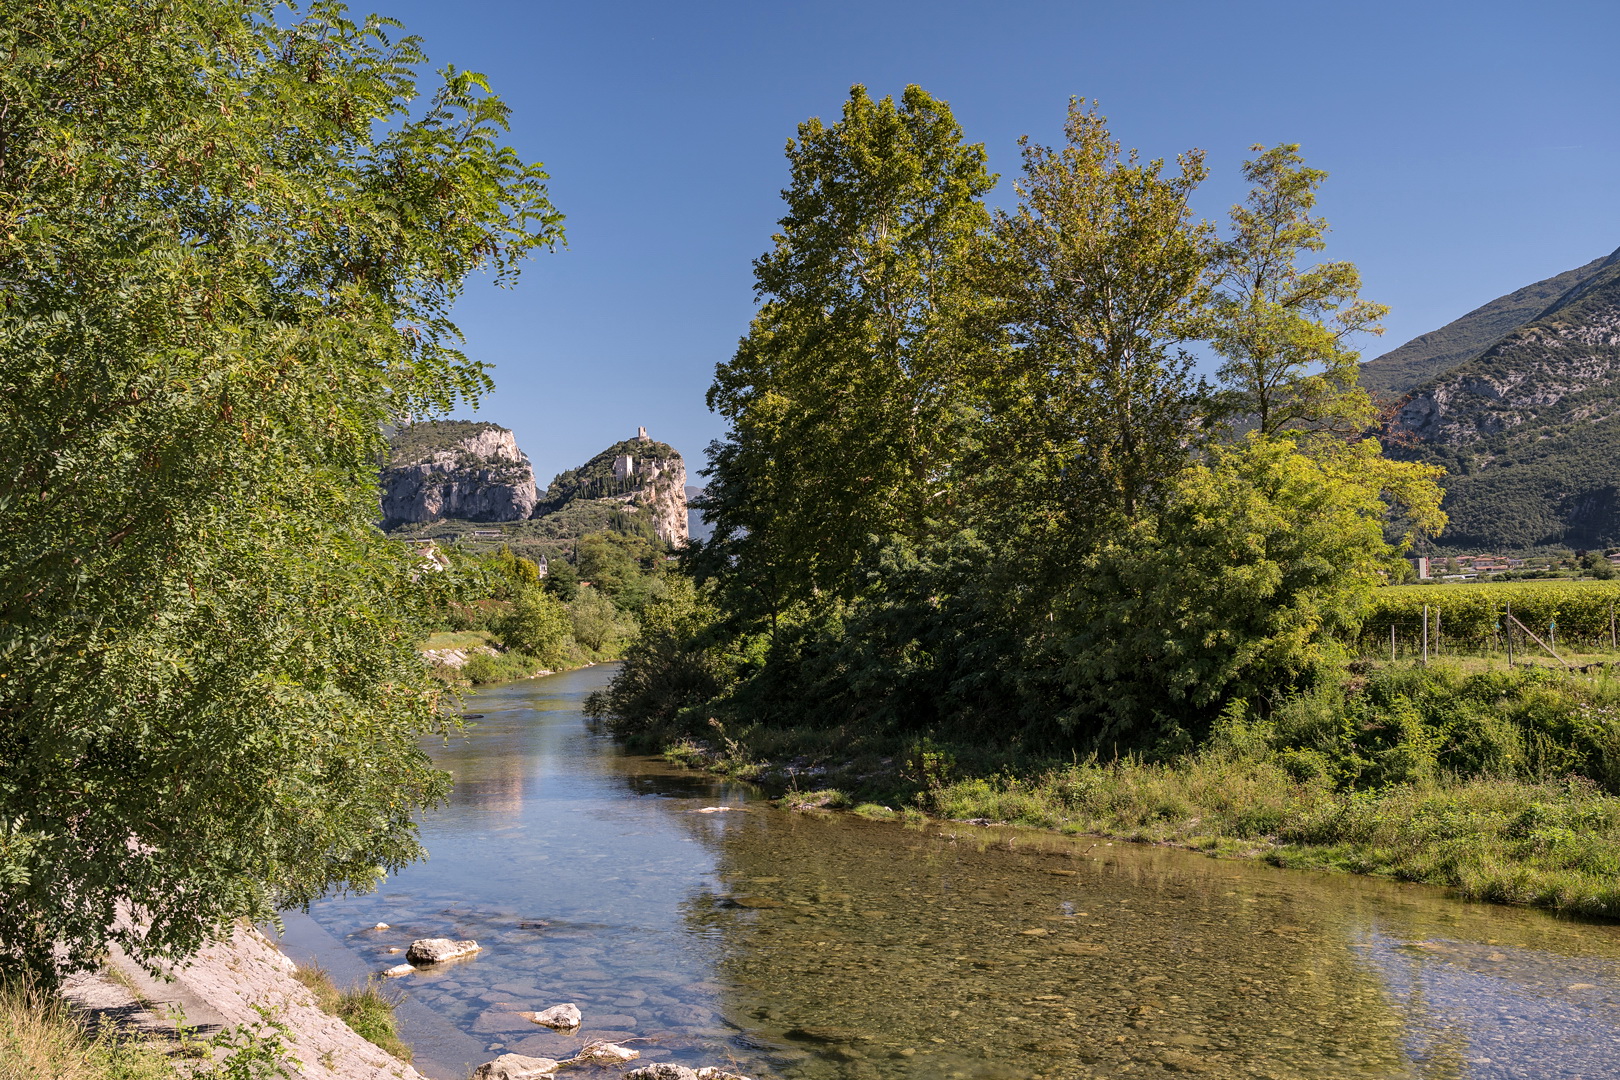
[1099, 271]
[227, 255]
[1281, 328]
[844, 421]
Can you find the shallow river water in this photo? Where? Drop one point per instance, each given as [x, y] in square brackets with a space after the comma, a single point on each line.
[812, 947]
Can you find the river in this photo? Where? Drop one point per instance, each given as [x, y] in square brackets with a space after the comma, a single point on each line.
[826, 947]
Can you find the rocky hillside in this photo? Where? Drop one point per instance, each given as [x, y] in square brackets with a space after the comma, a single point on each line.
[456, 469]
[640, 474]
[1433, 354]
[455, 472]
[1529, 427]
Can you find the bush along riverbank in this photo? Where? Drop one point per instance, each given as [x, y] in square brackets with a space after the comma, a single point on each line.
[1500, 786]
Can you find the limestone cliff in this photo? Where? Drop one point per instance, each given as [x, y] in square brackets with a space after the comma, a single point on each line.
[456, 469]
[641, 475]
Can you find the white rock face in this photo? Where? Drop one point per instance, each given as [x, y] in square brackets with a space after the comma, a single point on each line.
[516, 1067]
[482, 476]
[664, 494]
[558, 1017]
[437, 950]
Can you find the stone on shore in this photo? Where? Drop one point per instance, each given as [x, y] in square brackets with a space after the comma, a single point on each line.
[603, 1052]
[662, 1070]
[397, 970]
[558, 1017]
[709, 1072]
[437, 950]
[516, 1067]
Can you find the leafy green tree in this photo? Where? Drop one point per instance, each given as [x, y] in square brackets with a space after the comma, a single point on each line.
[1259, 565]
[842, 403]
[537, 624]
[597, 623]
[1099, 271]
[1280, 328]
[227, 255]
[561, 579]
[1598, 565]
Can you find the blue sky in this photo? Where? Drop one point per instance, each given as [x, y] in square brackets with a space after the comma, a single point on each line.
[1473, 148]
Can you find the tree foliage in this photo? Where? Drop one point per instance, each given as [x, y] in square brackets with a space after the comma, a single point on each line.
[227, 257]
[1280, 328]
[841, 405]
[970, 475]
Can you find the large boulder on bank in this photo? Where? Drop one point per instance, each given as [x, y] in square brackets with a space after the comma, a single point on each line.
[516, 1067]
[437, 950]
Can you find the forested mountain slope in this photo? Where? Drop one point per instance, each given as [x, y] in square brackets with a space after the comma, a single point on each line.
[1530, 428]
[1430, 355]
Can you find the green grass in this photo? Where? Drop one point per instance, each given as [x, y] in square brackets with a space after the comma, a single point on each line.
[40, 1037]
[366, 1009]
[460, 639]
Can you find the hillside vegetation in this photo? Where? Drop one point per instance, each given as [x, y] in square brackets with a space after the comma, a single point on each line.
[1429, 355]
[410, 443]
[1529, 430]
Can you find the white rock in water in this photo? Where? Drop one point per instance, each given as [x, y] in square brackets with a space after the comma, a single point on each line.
[709, 1072]
[516, 1067]
[381, 926]
[558, 1017]
[398, 970]
[436, 950]
[604, 1052]
[661, 1070]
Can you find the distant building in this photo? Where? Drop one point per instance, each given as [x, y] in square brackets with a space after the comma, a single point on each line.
[642, 436]
[1421, 565]
[624, 466]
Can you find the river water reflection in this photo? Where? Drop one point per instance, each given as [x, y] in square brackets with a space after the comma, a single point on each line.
[813, 947]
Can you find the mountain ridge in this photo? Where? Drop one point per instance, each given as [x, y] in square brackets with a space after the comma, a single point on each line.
[1430, 355]
[1529, 428]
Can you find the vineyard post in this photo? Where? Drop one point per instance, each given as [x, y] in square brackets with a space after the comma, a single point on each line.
[1507, 633]
[1392, 643]
[1612, 642]
[1425, 635]
[1437, 631]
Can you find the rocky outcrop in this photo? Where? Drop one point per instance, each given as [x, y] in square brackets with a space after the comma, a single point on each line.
[455, 469]
[639, 475]
[663, 495]
[437, 950]
[234, 983]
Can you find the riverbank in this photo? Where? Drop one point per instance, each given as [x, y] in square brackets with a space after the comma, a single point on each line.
[1495, 785]
[238, 1008]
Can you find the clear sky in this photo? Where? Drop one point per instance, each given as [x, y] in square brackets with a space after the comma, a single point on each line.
[1473, 147]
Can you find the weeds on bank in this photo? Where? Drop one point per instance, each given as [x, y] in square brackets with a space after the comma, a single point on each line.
[1497, 784]
[40, 1037]
[366, 1009]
